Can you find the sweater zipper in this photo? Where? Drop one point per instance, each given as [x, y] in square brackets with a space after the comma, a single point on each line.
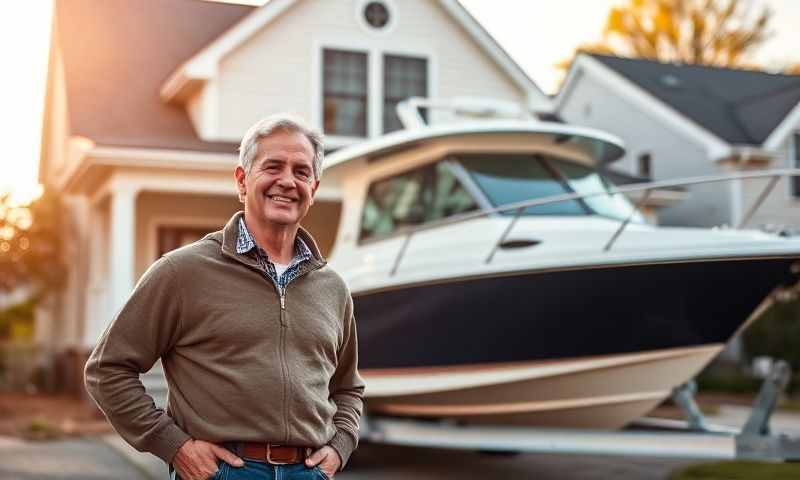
[284, 365]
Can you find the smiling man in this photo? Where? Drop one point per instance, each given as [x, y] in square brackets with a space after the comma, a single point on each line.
[255, 332]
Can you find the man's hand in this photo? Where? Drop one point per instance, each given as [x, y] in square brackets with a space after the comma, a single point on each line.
[197, 460]
[327, 459]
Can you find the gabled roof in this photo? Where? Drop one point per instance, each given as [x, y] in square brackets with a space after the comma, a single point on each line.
[741, 107]
[203, 65]
[117, 53]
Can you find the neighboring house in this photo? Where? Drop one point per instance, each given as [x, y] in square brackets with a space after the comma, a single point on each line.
[147, 102]
[687, 120]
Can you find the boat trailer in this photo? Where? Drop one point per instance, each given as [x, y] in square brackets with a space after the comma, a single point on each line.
[648, 437]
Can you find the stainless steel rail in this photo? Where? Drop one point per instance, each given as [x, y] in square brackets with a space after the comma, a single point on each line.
[774, 176]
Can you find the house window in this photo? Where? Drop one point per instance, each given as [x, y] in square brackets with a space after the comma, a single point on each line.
[344, 80]
[796, 164]
[645, 169]
[403, 77]
[170, 238]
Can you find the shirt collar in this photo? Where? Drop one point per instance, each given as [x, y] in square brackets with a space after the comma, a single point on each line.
[245, 242]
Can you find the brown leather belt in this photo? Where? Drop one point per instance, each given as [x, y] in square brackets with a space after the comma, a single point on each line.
[269, 452]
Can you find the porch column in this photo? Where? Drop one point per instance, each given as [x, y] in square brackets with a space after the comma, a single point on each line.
[96, 316]
[121, 254]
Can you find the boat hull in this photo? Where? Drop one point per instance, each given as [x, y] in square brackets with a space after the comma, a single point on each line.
[602, 392]
[589, 348]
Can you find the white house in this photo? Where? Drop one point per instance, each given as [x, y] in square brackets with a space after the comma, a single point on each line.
[686, 120]
[147, 102]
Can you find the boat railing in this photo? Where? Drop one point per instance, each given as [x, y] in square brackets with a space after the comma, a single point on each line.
[519, 207]
[410, 115]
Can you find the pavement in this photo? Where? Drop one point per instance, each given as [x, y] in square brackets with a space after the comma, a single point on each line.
[109, 457]
[73, 459]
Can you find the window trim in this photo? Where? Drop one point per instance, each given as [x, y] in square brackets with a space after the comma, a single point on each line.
[374, 83]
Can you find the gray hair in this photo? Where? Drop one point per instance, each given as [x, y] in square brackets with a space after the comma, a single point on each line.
[267, 126]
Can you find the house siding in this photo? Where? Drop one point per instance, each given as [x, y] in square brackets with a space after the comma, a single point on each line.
[278, 68]
[591, 103]
[780, 208]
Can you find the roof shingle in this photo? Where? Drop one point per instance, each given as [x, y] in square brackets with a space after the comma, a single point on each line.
[117, 54]
[739, 106]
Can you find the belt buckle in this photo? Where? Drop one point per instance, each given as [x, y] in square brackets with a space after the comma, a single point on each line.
[269, 456]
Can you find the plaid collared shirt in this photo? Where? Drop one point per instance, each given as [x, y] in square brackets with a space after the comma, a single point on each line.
[246, 244]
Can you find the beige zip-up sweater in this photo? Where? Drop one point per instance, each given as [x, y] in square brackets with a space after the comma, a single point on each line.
[239, 366]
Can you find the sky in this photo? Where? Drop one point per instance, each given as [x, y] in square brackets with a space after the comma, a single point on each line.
[536, 33]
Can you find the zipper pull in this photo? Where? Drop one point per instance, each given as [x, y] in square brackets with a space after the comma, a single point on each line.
[283, 301]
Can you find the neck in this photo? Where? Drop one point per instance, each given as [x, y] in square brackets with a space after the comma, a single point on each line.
[277, 240]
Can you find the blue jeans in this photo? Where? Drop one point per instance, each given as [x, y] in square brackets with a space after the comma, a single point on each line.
[255, 470]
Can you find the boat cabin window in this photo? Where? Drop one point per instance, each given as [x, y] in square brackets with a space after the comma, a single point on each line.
[412, 198]
[582, 179]
[511, 178]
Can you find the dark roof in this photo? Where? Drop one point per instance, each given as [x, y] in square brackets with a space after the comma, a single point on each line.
[118, 53]
[739, 106]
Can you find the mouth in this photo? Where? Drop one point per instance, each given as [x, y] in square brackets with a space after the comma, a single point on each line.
[281, 199]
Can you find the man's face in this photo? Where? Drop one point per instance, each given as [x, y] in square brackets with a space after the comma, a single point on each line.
[280, 186]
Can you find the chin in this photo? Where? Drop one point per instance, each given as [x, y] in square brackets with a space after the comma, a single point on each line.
[281, 218]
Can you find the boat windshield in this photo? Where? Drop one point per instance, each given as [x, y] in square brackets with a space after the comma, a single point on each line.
[511, 178]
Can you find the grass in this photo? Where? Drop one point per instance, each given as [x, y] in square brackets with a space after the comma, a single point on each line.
[40, 428]
[710, 410]
[790, 405]
[739, 470]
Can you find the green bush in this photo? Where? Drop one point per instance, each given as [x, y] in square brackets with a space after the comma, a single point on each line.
[17, 320]
[739, 471]
[727, 382]
[777, 334]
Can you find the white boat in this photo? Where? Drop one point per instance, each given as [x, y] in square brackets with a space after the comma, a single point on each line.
[499, 278]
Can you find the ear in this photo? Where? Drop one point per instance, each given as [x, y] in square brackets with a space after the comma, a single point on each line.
[241, 186]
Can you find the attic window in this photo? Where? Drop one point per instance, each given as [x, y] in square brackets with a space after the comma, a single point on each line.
[376, 14]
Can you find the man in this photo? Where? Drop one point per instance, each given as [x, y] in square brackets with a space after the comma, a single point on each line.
[256, 335]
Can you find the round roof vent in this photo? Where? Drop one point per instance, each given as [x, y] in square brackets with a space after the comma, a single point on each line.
[376, 14]
[670, 81]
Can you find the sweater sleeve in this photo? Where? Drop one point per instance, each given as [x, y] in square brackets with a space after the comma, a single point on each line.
[145, 328]
[347, 391]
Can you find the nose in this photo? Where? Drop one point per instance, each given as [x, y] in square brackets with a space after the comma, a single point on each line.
[285, 179]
